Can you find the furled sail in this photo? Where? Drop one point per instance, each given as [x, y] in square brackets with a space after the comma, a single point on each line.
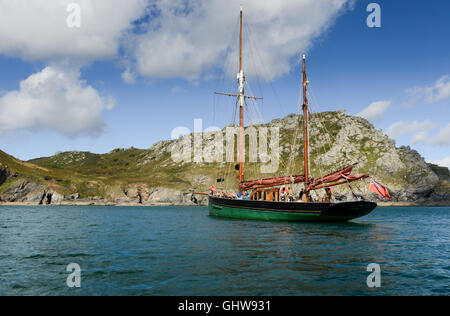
[268, 182]
[343, 174]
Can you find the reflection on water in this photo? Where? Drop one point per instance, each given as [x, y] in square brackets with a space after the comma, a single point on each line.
[182, 251]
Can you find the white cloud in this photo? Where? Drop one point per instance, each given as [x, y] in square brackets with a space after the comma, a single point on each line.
[37, 29]
[407, 127]
[375, 110]
[129, 77]
[176, 89]
[187, 38]
[420, 132]
[443, 137]
[440, 90]
[56, 99]
[445, 162]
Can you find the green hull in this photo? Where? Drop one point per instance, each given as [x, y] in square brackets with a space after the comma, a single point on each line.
[260, 215]
[292, 212]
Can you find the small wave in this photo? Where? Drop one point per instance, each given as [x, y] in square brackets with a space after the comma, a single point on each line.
[71, 255]
[77, 255]
[38, 256]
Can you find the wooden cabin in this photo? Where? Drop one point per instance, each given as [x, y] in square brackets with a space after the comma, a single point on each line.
[272, 194]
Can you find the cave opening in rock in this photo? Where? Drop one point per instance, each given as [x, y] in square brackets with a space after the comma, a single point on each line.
[49, 198]
[3, 175]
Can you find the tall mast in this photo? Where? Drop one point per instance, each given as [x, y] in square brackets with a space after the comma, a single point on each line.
[305, 122]
[241, 79]
[241, 95]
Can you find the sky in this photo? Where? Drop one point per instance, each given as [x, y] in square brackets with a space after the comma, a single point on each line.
[115, 74]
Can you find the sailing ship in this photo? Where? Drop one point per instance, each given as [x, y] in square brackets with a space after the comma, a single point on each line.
[268, 200]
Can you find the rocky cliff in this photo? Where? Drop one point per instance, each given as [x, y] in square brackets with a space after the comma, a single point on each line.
[158, 176]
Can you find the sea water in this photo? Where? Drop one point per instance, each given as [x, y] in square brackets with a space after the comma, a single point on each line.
[183, 251]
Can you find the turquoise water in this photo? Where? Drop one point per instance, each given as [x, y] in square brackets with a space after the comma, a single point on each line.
[183, 251]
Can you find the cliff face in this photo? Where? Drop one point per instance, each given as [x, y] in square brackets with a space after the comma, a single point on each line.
[338, 139]
[155, 176]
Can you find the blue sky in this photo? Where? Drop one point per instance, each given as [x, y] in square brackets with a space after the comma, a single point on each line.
[404, 64]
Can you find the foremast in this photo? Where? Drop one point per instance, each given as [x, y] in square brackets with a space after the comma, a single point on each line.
[305, 125]
[241, 98]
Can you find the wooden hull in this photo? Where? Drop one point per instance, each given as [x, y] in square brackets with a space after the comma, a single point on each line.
[289, 211]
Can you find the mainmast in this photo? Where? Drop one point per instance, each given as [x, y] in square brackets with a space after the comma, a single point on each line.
[241, 79]
[305, 123]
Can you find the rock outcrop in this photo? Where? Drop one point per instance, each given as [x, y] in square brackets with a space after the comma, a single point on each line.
[24, 191]
[142, 194]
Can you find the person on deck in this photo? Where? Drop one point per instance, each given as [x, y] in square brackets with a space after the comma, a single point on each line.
[309, 197]
[283, 194]
[329, 196]
[290, 196]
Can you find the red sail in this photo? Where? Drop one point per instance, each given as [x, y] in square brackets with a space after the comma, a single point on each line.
[344, 173]
[251, 184]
